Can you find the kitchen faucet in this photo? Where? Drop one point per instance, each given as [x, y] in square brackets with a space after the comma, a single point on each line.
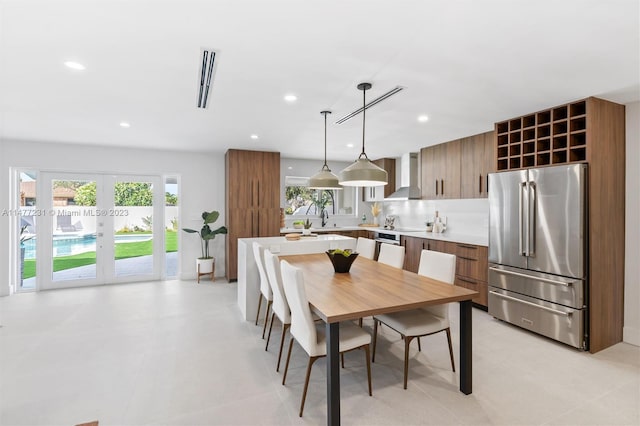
[324, 215]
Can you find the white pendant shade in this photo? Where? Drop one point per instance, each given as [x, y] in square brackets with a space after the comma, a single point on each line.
[324, 179]
[363, 173]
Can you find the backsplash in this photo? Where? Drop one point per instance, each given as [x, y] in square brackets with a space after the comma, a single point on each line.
[469, 216]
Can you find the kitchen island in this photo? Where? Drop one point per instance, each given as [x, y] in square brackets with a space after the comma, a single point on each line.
[248, 277]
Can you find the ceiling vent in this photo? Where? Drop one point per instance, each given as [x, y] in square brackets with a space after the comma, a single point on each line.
[208, 65]
[370, 104]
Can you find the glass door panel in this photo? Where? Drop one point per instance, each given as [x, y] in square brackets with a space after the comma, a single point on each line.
[133, 227]
[71, 238]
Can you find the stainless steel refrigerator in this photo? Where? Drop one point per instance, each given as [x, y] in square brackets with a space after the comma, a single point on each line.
[537, 251]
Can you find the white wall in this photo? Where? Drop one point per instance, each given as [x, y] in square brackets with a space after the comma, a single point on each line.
[631, 332]
[201, 178]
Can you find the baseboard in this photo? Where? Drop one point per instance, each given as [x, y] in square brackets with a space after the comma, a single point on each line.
[631, 335]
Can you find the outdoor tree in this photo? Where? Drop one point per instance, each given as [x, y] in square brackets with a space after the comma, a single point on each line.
[170, 199]
[125, 194]
[86, 195]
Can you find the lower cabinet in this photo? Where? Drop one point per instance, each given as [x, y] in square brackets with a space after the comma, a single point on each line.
[471, 262]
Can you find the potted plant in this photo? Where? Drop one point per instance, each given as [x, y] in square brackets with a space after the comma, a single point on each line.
[307, 227]
[205, 263]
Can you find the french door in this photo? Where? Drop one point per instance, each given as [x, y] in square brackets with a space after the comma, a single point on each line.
[96, 229]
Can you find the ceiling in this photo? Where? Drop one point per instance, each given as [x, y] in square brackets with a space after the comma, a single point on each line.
[465, 64]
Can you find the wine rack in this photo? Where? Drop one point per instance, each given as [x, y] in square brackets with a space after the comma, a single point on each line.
[550, 137]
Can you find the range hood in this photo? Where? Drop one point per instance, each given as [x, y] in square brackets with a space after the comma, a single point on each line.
[409, 189]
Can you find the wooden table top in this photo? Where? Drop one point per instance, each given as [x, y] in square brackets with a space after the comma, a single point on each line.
[370, 288]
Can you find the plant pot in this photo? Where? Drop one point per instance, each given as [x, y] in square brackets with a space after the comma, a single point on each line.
[341, 263]
[306, 232]
[205, 267]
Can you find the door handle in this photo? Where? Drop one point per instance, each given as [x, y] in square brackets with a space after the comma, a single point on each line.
[524, 302]
[545, 280]
[442, 186]
[531, 248]
[520, 218]
[480, 184]
[436, 187]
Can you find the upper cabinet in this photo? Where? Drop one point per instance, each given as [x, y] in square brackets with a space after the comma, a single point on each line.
[441, 170]
[457, 169]
[477, 160]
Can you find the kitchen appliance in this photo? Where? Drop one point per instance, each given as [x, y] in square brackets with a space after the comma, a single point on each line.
[409, 177]
[537, 251]
[387, 237]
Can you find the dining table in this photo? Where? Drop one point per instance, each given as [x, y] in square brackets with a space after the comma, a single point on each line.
[373, 288]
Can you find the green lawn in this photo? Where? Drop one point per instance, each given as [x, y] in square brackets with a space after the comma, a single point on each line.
[123, 251]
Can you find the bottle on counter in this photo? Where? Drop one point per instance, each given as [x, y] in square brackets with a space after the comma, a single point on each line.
[364, 218]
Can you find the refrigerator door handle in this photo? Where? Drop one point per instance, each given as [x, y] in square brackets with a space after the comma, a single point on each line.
[535, 305]
[531, 243]
[544, 280]
[523, 232]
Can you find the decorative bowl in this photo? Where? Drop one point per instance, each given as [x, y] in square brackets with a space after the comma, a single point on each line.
[341, 263]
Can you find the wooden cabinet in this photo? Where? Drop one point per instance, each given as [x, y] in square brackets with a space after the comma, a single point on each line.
[477, 160]
[471, 262]
[440, 165]
[252, 195]
[459, 168]
[378, 193]
[413, 246]
[591, 130]
[472, 270]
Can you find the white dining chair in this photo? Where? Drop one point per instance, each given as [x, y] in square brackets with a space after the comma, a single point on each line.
[311, 336]
[265, 288]
[280, 307]
[392, 255]
[427, 320]
[366, 247]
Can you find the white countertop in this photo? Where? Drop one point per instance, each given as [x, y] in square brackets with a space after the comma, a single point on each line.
[475, 239]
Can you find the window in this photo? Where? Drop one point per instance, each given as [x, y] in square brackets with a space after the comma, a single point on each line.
[304, 201]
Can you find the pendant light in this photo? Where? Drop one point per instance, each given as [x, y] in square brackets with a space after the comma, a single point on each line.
[324, 179]
[363, 172]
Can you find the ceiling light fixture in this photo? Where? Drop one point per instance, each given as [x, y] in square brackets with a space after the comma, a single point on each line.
[125, 124]
[75, 65]
[423, 118]
[290, 98]
[324, 179]
[363, 172]
[254, 136]
[208, 65]
[370, 104]
[349, 145]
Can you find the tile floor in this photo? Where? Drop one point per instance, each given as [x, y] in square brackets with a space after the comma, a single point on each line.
[177, 353]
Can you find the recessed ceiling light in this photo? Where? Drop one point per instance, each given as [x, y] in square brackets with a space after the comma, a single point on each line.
[254, 136]
[349, 145]
[290, 98]
[290, 168]
[423, 118]
[125, 124]
[74, 65]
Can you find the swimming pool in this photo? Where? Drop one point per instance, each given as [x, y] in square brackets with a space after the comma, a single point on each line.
[70, 245]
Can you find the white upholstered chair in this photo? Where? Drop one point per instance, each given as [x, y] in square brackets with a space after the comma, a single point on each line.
[392, 255]
[427, 320]
[311, 336]
[265, 288]
[366, 247]
[280, 306]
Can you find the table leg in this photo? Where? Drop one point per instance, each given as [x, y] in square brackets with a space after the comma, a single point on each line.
[465, 347]
[333, 373]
